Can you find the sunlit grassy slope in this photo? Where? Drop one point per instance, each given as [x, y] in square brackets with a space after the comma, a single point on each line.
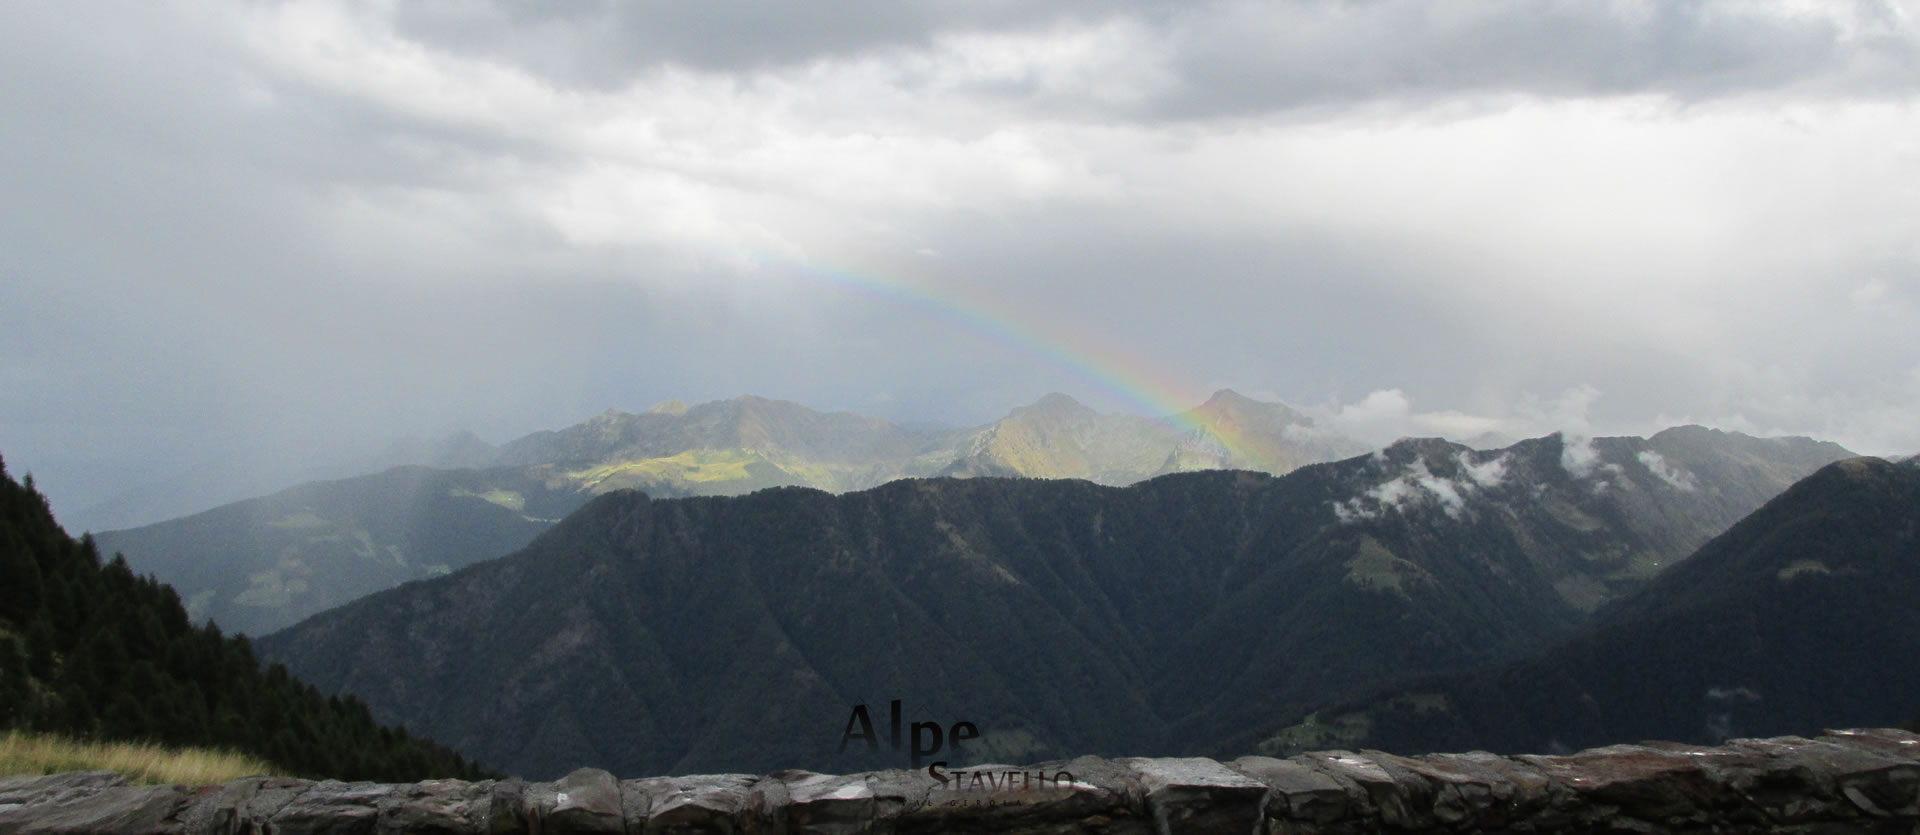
[30, 753]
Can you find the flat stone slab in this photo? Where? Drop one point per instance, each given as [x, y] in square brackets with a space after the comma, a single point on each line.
[111, 810]
[708, 803]
[1296, 791]
[1192, 794]
[443, 807]
[1088, 794]
[331, 807]
[1461, 787]
[25, 790]
[829, 804]
[586, 802]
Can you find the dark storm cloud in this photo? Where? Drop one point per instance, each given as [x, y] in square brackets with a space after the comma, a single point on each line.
[605, 43]
[1251, 57]
[1228, 58]
[211, 275]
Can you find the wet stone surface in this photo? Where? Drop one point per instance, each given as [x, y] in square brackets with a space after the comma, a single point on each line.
[1841, 782]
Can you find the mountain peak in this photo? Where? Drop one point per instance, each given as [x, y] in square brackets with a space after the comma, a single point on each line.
[1229, 398]
[1410, 446]
[1229, 406]
[1693, 433]
[1056, 405]
[670, 407]
[755, 404]
[1861, 468]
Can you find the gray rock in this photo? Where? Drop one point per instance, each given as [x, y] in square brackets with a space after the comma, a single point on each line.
[1460, 788]
[828, 804]
[1199, 795]
[1741, 786]
[224, 809]
[33, 788]
[507, 808]
[896, 791]
[586, 802]
[538, 799]
[711, 803]
[1370, 789]
[766, 806]
[1819, 772]
[1416, 793]
[331, 807]
[1298, 792]
[30, 790]
[110, 810]
[1088, 794]
[1889, 783]
[1899, 791]
[271, 794]
[436, 807]
[1656, 785]
[635, 804]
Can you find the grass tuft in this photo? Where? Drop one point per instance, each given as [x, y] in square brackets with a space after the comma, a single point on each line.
[144, 763]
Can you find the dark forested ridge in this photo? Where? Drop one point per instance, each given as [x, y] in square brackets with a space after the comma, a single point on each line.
[90, 650]
[1799, 617]
[1061, 617]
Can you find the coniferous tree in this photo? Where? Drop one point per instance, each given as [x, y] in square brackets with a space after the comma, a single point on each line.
[21, 587]
[16, 689]
[41, 646]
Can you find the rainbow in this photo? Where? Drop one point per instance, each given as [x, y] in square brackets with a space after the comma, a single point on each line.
[1114, 369]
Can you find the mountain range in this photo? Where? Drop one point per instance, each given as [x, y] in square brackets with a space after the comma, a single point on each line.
[1803, 609]
[261, 564]
[1061, 617]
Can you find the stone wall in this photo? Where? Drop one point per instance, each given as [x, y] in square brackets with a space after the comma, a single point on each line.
[1844, 781]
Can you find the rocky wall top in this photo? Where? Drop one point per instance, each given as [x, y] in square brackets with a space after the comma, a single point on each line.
[1843, 781]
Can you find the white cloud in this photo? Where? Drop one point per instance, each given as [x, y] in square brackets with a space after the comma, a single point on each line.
[1728, 695]
[1443, 490]
[1457, 425]
[1568, 412]
[1385, 405]
[1349, 512]
[1389, 414]
[1487, 474]
[1417, 484]
[1578, 456]
[1393, 494]
[1675, 477]
[685, 158]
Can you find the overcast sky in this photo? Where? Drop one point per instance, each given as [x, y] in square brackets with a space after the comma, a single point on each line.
[277, 233]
